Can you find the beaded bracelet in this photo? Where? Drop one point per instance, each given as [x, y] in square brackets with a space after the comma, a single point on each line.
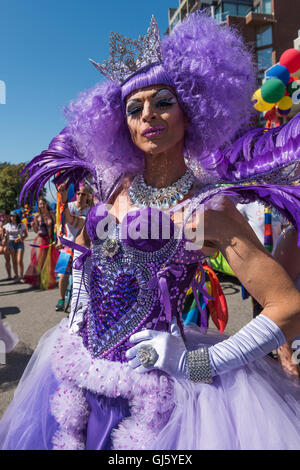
[198, 366]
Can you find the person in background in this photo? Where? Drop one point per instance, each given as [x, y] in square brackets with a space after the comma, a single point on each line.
[16, 232]
[254, 213]
[4, 250]
[40, 272]
[80, 208]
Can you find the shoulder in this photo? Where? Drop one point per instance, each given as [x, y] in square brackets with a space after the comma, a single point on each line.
[224, 220]
[221, 206]
[121, 188]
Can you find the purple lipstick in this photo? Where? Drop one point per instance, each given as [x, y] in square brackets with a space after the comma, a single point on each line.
[153, 131]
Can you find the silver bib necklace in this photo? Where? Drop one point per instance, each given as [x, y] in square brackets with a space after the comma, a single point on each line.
[142, 195]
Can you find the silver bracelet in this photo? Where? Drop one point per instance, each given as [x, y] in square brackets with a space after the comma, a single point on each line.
[198, 366]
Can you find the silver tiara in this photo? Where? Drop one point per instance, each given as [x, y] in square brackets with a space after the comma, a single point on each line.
[128, 56]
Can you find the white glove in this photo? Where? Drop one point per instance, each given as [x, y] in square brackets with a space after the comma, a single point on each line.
[169, 347]
[252, 342]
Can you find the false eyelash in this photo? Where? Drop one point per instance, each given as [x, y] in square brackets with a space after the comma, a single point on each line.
[164, 103]
[134, 111]
[160, 104]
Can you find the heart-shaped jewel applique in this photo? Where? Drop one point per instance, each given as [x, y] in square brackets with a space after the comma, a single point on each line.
[109, 305]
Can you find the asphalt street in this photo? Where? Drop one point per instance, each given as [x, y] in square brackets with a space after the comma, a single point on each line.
[31, 312]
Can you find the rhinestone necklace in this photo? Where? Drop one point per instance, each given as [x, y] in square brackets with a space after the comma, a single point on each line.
[142, 195]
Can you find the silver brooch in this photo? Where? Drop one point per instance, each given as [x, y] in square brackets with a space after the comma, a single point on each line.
[147, 356]
[110, 247]
[128, 56]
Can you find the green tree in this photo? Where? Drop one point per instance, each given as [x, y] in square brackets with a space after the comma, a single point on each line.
[10, 185]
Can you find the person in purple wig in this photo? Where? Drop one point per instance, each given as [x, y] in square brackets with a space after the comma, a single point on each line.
[164, 140]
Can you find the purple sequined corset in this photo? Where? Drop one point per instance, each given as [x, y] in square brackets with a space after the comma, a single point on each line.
[135, 282]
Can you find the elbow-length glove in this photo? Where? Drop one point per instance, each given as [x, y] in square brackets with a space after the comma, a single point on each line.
[80, 295]
[167, 351]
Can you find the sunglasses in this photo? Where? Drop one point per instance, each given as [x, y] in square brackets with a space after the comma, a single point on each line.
[81, 194]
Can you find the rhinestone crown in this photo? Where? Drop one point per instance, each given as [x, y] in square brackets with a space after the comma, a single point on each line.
[128, 56]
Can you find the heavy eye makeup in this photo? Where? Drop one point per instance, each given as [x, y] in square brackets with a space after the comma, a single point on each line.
[163, 99]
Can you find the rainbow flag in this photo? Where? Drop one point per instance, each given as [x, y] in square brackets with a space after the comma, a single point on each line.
[268, 235]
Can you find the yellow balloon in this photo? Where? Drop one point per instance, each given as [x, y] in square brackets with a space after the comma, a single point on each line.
[285, 103]
[261, 105]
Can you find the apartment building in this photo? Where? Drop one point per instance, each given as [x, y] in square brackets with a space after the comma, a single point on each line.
[269, 27]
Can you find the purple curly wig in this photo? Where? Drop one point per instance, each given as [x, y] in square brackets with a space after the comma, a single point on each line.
[213, 76]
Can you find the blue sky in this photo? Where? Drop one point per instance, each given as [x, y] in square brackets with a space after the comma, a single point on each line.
[44, 51]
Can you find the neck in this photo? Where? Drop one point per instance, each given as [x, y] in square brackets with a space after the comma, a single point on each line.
[80, 206]
[163, 169]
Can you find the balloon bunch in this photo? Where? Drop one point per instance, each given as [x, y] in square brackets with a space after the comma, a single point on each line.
[279, 88]
[26, 214]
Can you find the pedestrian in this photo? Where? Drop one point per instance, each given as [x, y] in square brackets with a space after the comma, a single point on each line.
[255, 214]
[17, 233]
[41, 270]
[80, 208]
[4, 250]
[131, 377]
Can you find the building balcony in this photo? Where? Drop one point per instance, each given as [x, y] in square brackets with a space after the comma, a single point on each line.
[259, 19]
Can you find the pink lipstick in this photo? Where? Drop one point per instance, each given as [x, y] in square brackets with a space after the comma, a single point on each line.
[153, 131]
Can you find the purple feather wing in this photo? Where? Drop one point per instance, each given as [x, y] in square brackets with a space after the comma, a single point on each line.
[263, 156]
[61, 161]
[261, 165]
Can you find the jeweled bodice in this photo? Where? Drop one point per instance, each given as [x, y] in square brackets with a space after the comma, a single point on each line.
[141, 271]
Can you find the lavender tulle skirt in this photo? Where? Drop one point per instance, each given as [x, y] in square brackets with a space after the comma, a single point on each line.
[67, 400]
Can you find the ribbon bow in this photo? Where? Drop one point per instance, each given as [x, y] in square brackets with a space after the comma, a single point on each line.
[78, 264]
[159, 281]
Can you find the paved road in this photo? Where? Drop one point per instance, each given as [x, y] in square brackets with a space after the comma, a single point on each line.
[30, 313]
